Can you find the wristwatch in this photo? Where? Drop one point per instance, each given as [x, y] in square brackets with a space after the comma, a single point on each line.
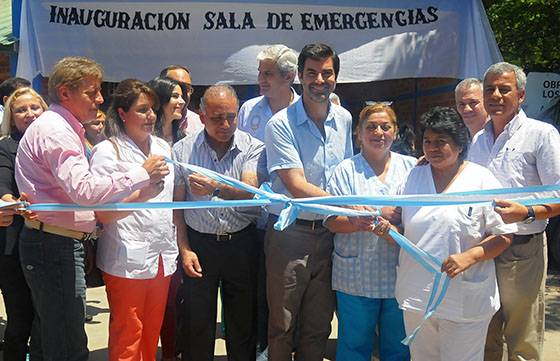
[215, 193]
[530, 215]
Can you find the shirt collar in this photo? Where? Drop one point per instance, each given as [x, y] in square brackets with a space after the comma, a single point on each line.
[127, 142]
[70, 119]
[301, 110]
[263, 103]
[513, 125]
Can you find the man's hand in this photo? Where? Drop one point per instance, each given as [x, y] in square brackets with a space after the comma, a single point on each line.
[511, 212]
[201, 185]
[457, 263]
[156, 167]
[190, 264]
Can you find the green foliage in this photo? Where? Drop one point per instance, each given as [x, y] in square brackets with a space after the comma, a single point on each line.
[527, 32]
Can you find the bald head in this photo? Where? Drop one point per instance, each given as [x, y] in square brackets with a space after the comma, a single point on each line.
[217, 93]
[218, 113]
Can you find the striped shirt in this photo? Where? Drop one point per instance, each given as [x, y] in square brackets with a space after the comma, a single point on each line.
[364, 264]
[243, 156]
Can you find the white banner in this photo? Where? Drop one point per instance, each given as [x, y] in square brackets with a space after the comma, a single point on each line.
[219, 41]
[543, 92]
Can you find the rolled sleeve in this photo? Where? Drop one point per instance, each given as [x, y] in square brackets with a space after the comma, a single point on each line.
[281, 152]
[548, 157]
[254, 156]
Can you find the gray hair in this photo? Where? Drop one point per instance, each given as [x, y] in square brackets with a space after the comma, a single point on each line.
[284, 57]
[503, 67]
[467, 84]
[215, 90]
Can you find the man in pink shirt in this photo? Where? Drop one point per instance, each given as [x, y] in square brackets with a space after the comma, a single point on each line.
[51, 167]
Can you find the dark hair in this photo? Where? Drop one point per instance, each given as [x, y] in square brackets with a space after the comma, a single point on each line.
[405, 142]
[446, 121]
[164, 71]
[126, 93]
[163, 87]
[8, 86]
[318, 51]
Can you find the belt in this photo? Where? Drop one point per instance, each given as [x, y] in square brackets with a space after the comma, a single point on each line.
[523, 238]
[59, 231]
[315, 224]
[228, 236]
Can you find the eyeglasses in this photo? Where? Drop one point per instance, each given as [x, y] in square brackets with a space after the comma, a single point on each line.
[230, 117]
[188, 88]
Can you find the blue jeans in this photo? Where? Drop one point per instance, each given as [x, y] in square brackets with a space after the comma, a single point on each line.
[358, 318]
[54, 269]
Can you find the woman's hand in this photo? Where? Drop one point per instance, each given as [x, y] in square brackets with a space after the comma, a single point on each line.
[156, 167]
[457, 263]
[6, 216]
[381, 227]
[16, 210]
[362, 223]
[392, 214]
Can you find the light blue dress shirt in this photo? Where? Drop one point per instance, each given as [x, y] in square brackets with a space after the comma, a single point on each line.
[293, 141]
[243, 156]
[252, 118]
[364, 264]
[254, 115]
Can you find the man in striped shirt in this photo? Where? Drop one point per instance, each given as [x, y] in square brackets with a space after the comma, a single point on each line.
[217, 245]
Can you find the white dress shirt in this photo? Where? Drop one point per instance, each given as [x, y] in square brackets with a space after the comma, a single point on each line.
[446, 230]
[526, 153]
[131, 246]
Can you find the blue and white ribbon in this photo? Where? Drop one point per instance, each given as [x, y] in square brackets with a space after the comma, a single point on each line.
[333, 205]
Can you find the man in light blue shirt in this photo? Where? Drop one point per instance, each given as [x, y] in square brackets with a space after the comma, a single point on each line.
[277, 71]
[304, 143]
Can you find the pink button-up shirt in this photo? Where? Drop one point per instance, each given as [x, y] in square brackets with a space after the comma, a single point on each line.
[51, 167]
